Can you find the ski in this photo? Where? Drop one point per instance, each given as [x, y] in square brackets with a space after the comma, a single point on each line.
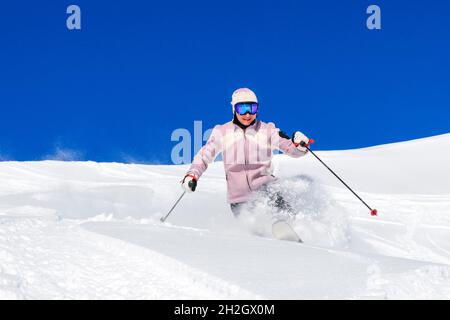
[281, 230]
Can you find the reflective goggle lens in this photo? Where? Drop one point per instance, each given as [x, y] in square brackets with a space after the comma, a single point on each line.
[243, 108]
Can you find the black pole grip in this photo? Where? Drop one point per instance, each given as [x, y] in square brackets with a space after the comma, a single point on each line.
[192, 184]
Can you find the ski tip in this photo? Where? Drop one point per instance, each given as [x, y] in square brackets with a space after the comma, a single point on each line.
[374, 212]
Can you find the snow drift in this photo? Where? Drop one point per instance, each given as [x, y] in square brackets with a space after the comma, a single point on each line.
[91, 230]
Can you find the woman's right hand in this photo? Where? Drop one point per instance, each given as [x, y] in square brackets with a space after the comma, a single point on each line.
[189, 183]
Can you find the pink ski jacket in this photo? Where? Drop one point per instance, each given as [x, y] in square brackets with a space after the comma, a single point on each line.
[247, 156]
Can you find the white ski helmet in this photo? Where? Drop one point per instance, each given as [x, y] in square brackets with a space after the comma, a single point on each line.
[242, 95]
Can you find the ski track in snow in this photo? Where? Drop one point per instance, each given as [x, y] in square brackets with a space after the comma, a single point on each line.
[86, 230]
[46, 259]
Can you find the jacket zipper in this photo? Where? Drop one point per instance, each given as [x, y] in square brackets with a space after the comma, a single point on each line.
[245, 157]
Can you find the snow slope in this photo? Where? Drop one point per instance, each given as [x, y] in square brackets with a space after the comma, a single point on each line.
[78, 230]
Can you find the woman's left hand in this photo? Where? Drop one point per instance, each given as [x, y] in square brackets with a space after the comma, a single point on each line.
[298, 138]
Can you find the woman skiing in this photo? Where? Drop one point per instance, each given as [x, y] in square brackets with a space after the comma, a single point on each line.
[246, 145]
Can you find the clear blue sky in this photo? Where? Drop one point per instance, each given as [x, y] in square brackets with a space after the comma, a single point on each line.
[115, 90]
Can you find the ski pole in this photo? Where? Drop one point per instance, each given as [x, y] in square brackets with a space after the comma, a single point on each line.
[173, 207]
[373, 212]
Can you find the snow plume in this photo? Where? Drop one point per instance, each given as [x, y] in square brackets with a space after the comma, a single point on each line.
[131, 159]
[310, 210]
[65, 154]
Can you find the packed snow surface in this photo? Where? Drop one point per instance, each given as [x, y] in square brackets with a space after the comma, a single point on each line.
[86, 230]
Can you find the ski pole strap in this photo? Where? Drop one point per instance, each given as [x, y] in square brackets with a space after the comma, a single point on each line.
[190, 175]
[306, 145]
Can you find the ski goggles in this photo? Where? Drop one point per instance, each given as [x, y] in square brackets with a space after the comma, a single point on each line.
[246, 107]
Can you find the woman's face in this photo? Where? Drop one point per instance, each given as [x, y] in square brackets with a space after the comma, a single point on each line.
[246, 119]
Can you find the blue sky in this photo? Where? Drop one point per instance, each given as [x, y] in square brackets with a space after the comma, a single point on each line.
[137, 70]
